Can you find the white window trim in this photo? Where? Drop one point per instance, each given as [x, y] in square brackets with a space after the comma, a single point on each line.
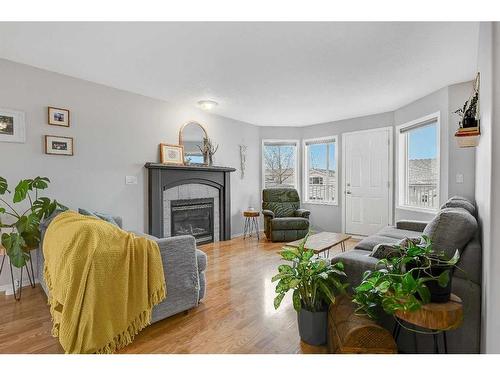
[401, 168]
[296, 166]
[306, 176]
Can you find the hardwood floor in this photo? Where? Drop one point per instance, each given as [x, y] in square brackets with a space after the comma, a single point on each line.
[236, 316]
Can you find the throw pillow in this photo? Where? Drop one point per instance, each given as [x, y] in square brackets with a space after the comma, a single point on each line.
[451, 229]
[386, 250]
[459, 203]
[105, 217]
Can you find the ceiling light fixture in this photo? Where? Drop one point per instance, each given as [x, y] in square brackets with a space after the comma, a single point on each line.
[207, 105]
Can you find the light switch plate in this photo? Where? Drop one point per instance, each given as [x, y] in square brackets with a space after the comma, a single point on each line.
[130, 180]
[459, 178]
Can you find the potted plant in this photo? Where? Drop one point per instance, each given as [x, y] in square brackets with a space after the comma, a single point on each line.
[468, 113]
[24, 234]
[414, 274]
[314, 282]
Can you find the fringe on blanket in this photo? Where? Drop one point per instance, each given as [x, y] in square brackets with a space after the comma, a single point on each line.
[124, 338]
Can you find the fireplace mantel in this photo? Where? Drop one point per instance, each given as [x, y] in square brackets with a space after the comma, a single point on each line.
[204, 168]
[162, 177]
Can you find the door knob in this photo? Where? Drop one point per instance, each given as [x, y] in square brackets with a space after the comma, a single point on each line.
[348, 192]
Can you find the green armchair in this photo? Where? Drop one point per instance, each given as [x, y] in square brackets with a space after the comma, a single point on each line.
[284, 220]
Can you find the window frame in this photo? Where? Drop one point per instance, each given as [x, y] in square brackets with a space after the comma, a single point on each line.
[296, 164]
[402, 161]
[305, 170]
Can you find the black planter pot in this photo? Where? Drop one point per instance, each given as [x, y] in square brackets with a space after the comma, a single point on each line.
[313, 326]
[439, 294]
[469, 122]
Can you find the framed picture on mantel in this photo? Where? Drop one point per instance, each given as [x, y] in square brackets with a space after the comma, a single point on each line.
[171, 154]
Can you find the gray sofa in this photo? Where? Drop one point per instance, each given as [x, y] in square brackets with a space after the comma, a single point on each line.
[453, 227]
[184, 266]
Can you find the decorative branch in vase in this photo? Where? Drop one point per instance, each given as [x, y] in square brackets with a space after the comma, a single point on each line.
[208, 150]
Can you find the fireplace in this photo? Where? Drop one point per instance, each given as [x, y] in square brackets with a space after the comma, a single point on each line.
[194, 217]
[170, 183]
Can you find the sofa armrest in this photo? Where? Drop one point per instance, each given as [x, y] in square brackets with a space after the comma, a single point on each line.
[178, 250]
[414, 225]
[302, 213]
[268, 213]
[180, 267]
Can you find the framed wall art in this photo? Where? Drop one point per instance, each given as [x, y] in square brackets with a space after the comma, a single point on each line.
[58, 116]
[12, 126]
[56, 145]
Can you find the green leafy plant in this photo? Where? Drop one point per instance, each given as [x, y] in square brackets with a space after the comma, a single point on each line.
[25, 234]
[469, 109]
[400, 281]
[313, 281]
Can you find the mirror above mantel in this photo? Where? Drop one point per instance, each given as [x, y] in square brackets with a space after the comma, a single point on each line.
[191, 137]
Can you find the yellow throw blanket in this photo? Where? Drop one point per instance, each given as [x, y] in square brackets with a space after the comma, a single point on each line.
[103, 283]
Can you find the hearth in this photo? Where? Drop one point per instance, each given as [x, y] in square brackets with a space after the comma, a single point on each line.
[194, 217]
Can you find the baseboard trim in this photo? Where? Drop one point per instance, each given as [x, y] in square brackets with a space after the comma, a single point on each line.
[7, 288]
[236, 235]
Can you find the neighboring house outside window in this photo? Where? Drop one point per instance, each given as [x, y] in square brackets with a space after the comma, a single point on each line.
[320, 170]
[279, 163]
[418, 164]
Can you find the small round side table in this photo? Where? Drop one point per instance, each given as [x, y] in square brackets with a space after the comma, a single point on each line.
[251, 223]
[435, 317]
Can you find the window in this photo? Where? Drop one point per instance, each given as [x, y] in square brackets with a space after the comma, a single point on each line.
[279, 163]
[320, 170]
[418, 164]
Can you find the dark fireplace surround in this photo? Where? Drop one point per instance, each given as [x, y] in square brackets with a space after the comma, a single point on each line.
[162, 177]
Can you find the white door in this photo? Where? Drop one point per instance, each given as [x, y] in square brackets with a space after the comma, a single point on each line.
[366, 180]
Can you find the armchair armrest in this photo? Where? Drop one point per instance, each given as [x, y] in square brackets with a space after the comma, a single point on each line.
[268, 213]
[414, 225]
[302, 213]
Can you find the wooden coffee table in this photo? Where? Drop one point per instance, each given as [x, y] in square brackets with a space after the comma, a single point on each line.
[322, 242]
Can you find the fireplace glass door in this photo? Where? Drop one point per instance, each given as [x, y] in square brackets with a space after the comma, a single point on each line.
[193, 217]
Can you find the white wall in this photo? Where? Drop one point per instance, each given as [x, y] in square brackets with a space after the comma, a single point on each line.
[488, 182]
[323, 217]
[115, 133]
[454, 160]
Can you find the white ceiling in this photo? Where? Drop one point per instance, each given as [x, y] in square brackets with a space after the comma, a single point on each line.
[263, 73]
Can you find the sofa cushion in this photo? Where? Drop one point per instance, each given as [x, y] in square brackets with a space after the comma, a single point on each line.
[370, 242]
[201, 258]
[458, 198]
[102, 216]
[460, 203]
[356, 262]
[470, 262]
[289, 223]
[398, 233]
[451, 229]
